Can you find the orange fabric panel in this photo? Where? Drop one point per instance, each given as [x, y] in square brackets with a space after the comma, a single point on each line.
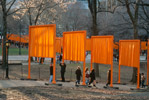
[58, 44]
[74, 45]
[129, 53]
[42, 39]
[61, 41]
[115, 46]
[143, 45]
[16, 38]
[102, 49]
[88, 44]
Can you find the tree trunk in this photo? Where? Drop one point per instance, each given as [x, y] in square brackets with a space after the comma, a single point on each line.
[95, 32]
[134, 20]
[29, 16]
[4, 33]
[4, 39]
[134, 75]
[93, 10]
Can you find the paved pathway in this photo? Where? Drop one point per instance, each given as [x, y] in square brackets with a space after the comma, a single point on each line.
[18, 83]
[26, 83]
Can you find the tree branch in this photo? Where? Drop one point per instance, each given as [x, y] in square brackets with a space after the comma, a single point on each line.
[11, 5]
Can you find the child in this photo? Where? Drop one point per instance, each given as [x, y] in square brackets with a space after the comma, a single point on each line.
[78, 75]
[51, 73]
[87, 74]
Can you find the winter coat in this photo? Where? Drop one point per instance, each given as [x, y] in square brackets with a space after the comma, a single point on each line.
[63, 67]
[92, 75]
[78, 74]
[51, 70]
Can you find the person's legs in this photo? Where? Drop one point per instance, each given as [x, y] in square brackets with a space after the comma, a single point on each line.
[62, 75]
[94, 82]
[51, 78]
[78, 81]
[108, 82]
[87, 81]
[90, 81]
[143, 84]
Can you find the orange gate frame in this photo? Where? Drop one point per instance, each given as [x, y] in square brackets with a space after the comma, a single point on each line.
[74, 47]
[129, 55]
[42, 44]
[147, 63]
[102, 52]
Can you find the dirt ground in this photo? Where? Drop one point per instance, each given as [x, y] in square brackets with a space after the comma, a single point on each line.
[67, 93]
[41, 72]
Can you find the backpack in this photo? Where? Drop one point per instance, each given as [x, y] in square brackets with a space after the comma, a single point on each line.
[87, 76]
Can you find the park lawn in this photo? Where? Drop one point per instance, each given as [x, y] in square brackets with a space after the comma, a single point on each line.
[15, 51]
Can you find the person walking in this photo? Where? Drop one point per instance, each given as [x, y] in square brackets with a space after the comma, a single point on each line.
[108, 77]
[63, 69]
[142, 80]
[93, 78]
[78, 75]
[51, 73]
[60, 58]
[87, 74]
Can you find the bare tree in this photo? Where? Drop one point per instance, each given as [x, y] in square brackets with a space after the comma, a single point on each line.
[36, 11]
[6, 7]
[132, 7]
[144, 16]
[76, 18]
[95, 6]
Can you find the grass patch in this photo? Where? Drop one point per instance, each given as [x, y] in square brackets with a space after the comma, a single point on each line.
[15, 51]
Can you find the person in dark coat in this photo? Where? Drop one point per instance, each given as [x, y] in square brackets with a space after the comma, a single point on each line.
[63, 69]
[93, 78]
[60, 57]
[51, 60]
[108, 77]
[78, 75]
[51, 73]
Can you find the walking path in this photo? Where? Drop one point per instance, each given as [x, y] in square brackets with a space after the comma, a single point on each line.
[18, 83]
[26, 83]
